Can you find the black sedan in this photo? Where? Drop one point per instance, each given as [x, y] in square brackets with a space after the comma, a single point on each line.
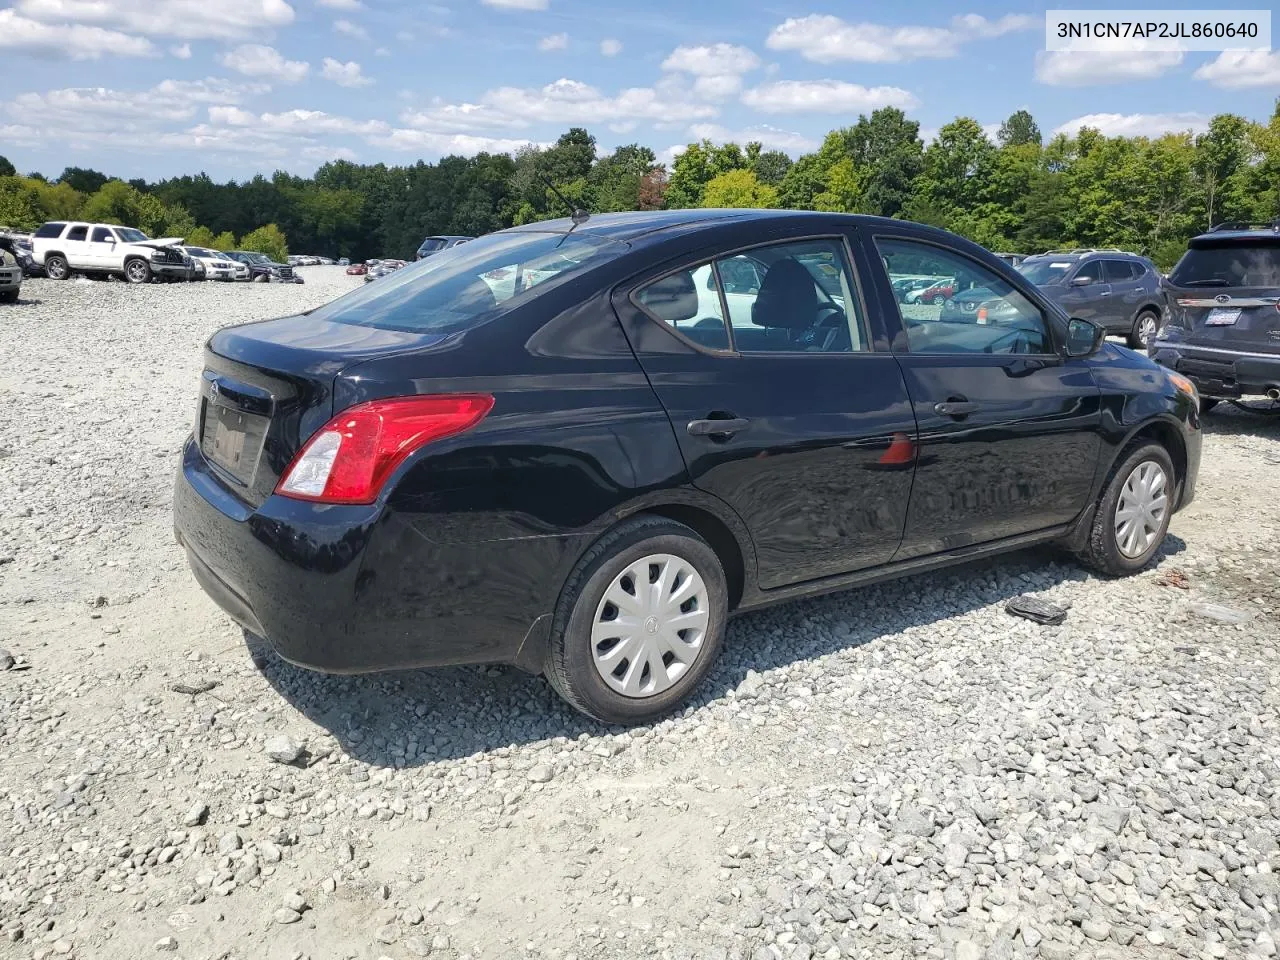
[572, 448]
[262, 269]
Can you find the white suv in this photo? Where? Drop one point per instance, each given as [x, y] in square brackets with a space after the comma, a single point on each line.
[66, 248]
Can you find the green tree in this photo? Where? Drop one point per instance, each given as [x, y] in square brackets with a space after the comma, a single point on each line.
[202, 237]
[769, 166]
[739, 188]
[269, 240]
[59, 201]
[1020, 128]
[1222, 153]
[955, 165]
[224, 241]
[20, 203]
[7, 169]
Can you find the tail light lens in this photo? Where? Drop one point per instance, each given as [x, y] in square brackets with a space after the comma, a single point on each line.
[350, 458]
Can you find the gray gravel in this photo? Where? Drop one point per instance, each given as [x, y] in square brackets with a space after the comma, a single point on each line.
[894, 772]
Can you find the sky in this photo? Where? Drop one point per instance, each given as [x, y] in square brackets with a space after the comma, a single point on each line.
[156, 88]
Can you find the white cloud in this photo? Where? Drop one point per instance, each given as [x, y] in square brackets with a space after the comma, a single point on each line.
[345, 74]
[517, 4]
[1238, 69]
[825, 96]
[350, 29]
[444, 144]
[209, 90]
[382, 52]
[609, 47]
[256, 60]
[182, 51]
[305, 123]
[232, 116]
[1137, 124]
[555, 41]
[99, 108]
[67, 41]
[717, 87]
[340, 4]
[185, 19]
[564, 101]
[1083, 68]
[828, 39]
[713, 60]
[770, 137]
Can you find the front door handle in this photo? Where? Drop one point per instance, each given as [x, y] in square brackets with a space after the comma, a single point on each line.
[956, 408]
[717, 428]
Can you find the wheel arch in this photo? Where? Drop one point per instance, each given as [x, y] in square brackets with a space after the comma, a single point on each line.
[1163, 432]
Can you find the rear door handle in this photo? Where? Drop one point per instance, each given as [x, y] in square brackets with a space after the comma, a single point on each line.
[956, 408]
[717, 428]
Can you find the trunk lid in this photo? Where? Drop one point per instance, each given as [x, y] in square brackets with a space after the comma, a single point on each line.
[267, 387]
[1225, 293]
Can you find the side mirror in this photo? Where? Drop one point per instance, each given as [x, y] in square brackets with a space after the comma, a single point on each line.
[1083, 337]
[1080, 281]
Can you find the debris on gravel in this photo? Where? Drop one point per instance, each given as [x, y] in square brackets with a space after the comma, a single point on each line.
[895, 772]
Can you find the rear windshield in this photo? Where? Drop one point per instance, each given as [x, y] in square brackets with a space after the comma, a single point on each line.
[1236, 265]
[469, 283]
[1041, 272]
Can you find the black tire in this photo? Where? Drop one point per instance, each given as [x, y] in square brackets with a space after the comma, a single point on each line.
[56, 267]
[1208, 403]
[570, 667]
[137, 270]
[1102, 551]
[8, 296]
[1134, 338]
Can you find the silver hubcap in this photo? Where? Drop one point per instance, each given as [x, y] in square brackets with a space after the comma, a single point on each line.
[57, 269]
[137, 271]
[1141, 510]
[650, 626]
[1148, 329]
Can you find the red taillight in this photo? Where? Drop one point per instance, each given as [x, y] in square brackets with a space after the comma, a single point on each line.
[350, 457]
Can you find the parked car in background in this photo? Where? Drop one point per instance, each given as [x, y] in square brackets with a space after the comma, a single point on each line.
[549, 449]
[382, 268]
[1117, 290]
[215, 265]
[1223, 325]
[433, 245]
[937, 292]
[64, 248]
[357, 270]
[344, 262]
[10, 272]
[262, 269]
[19, 247]
[1012, 259]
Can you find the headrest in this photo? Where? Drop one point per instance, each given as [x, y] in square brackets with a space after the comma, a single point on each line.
[788, 297]
[672, 298]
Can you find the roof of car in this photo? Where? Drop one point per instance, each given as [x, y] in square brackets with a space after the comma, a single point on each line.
[1240, 231]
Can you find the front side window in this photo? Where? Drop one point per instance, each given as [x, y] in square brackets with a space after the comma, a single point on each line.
[983, 314]
[458, 291]
[77, 233]
[102, 235]
[1091, 271]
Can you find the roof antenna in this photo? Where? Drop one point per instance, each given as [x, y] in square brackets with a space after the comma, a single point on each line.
[578, 215]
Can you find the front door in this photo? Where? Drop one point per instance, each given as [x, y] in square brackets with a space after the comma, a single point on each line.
[1009, 430]
[100, 251]
[1088, 294]
[787, 413]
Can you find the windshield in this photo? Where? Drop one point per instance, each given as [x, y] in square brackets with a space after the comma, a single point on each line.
[1236, 265]
[201, 252]
[1041, 272]
[470, 283]
[431, 244]
[255, 257]
[130, 235]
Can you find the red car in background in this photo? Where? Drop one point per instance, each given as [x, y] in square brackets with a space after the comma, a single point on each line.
[938, 292]
[357, 270]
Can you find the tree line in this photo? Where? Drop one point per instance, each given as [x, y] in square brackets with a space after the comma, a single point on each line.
[1017, 192]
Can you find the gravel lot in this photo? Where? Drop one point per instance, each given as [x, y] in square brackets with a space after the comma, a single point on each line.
[899, 771]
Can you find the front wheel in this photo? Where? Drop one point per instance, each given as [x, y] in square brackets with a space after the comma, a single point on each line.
[1134, 512]
[56, 267]
[639, 623]
[137, 271]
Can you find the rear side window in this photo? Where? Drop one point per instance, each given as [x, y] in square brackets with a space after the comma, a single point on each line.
[1117, 271]
[688, 302]
[1234, 265]
[77, 233]
[50, 230]
[468, 284]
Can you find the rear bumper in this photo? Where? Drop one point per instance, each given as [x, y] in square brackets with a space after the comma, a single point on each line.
[356, 589]
[1218, 372]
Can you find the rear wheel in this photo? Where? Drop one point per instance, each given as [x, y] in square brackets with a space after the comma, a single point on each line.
[1134, 512]
[640, 622]
[55, 265]
[137, 271]
[1145, 327]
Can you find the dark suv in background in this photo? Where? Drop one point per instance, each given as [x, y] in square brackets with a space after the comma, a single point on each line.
[433, 245]
[1223, 330]
[1116, 290]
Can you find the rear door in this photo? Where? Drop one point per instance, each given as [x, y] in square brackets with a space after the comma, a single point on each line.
[75, 246]
[1009, 431]
[1126, 294]
[792, 417]
[1087, 293]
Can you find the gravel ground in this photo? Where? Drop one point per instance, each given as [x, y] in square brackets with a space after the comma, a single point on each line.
[893, 772]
